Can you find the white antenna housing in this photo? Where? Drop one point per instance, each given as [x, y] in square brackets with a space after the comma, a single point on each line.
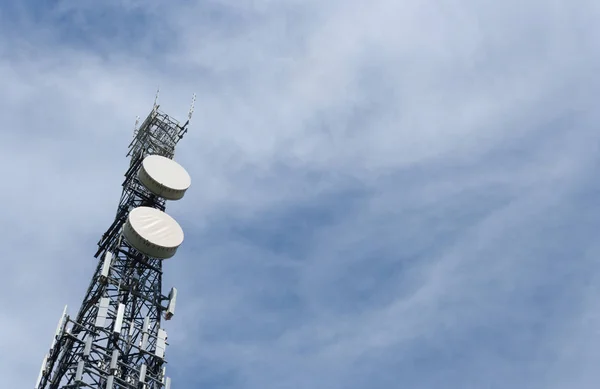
[108, 257]
[161, 343]
[142, 378]
[119, 320]
[42, 371]
[102, 314]
[171, 306]
[164, 177]
[153, 232]
[60, 327]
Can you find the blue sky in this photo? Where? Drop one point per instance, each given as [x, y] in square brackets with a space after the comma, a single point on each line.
[386, 194]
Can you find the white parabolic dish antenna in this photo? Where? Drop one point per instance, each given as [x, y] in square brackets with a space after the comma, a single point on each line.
[153, 232]
[164, 177]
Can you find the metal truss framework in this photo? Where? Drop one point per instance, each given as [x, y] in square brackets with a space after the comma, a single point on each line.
[116, 340]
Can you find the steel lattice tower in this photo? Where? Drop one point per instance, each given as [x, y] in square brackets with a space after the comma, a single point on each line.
[116, 340]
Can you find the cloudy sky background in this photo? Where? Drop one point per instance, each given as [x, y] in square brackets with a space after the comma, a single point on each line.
[386, 194]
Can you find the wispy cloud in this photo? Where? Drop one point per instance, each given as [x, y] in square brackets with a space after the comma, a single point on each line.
[392, 194]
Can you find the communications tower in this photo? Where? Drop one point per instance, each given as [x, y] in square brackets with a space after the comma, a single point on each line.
[116, 340]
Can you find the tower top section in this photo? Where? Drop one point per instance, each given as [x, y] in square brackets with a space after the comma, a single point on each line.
[158, 135]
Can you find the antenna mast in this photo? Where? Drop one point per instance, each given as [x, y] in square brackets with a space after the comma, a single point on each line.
[116, 340]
